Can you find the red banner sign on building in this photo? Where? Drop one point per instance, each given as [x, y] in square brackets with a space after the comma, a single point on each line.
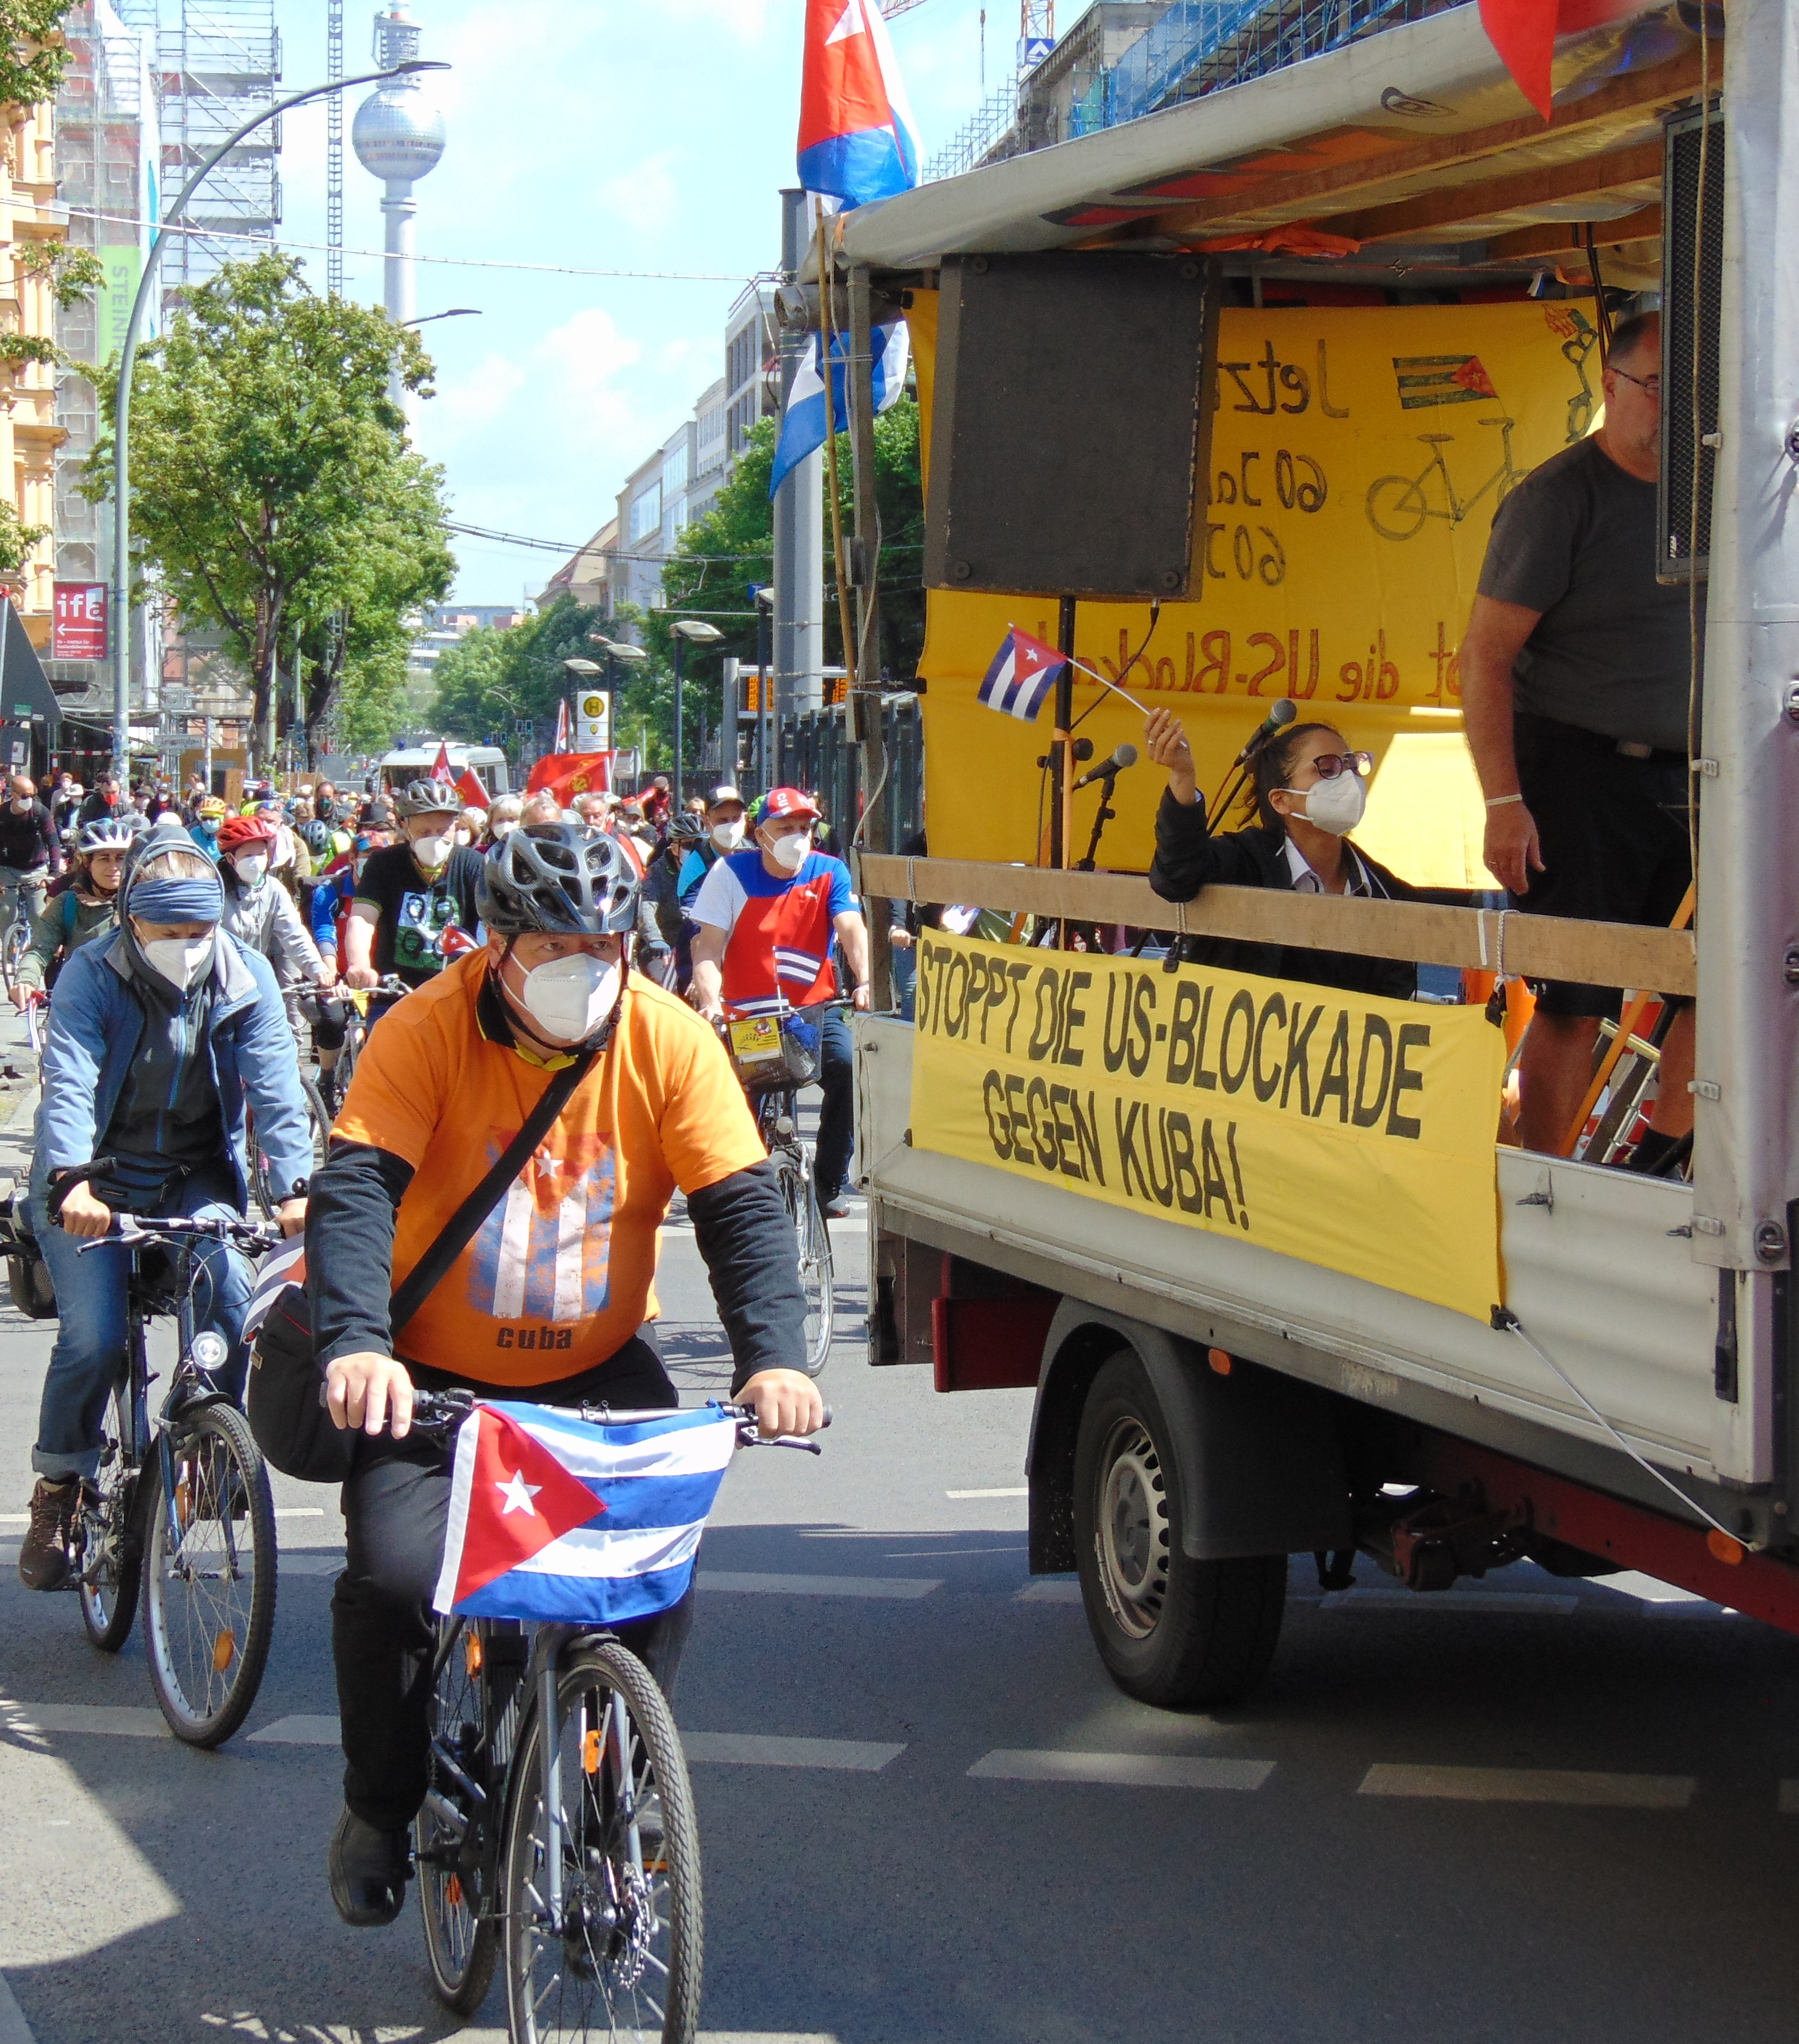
[79, 631]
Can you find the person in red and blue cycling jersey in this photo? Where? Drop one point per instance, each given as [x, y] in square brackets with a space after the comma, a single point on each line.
[766, 918]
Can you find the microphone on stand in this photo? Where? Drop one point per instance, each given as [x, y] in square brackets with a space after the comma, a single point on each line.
[1283, 712]
[1126, 755]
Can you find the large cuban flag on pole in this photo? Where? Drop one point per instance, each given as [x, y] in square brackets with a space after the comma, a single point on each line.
[857, 139]
[802, 424]
[553, 1519]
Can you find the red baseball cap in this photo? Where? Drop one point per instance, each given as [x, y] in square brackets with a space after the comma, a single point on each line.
[786, 802]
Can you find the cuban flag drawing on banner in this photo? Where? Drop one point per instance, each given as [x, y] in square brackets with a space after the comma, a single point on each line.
[857, 139]
[1024, 671]
[802, 424]
[563, 1520]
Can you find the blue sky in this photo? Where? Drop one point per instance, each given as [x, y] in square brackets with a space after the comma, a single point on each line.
[593, 133]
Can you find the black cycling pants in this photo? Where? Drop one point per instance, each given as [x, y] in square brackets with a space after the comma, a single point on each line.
[396, 1504]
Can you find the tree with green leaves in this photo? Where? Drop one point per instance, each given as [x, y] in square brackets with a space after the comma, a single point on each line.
[32, 54]
[274, 488]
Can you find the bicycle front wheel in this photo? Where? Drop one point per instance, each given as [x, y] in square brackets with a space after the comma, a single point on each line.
[620, 1956]
[1397, 506]
[209, 1603]
[18, 937]
[461, 1937]
[799, 1192]
[112, 1562]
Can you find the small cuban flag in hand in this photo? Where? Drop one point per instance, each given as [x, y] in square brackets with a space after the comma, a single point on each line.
[559, 1519]
[1024, 671]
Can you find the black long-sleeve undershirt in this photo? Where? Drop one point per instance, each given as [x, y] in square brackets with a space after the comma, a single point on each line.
[740, 1224]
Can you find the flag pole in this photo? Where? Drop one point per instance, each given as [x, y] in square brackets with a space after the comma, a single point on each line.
[1062, 815]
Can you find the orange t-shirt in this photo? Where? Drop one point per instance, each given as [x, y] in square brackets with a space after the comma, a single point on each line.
[562, 1273]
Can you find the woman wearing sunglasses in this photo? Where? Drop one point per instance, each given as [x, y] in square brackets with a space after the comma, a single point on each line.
[1306, 794]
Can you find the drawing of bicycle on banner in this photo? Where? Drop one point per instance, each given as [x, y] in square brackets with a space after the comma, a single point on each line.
[1398, 505]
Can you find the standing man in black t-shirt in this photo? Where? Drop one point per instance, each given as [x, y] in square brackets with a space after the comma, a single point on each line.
[414, 896]
[1576, 672]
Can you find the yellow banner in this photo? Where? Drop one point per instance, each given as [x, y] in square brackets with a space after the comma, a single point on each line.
[1351, 1131]
[1357, 457]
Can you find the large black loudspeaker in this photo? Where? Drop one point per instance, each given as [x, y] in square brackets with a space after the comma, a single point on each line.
[1693, 253]
[1068, 426]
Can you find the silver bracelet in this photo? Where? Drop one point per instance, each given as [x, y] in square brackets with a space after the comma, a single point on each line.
[1499, 801]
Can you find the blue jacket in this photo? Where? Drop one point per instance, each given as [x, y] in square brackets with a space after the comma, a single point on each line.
[334, 891]
[95, 1023]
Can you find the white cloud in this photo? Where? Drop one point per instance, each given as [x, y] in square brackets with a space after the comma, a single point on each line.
[644, 199]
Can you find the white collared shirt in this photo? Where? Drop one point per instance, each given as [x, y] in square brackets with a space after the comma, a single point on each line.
[1306, 882]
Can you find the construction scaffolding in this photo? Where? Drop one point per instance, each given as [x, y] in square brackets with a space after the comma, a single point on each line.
[220, 60]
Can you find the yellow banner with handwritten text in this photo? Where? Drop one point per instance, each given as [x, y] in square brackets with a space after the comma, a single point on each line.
[1358, 456]
[1348, 1131]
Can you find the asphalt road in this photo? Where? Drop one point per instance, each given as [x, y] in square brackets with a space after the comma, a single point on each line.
[1527, 1809]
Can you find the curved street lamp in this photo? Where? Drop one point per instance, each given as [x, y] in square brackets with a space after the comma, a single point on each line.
[121, 402]
[687, 631]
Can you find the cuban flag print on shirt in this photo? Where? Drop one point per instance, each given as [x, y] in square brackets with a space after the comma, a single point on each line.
[857, 139]
[544, 1253]
[779, 933]
[559, 1520]
[1023, 673]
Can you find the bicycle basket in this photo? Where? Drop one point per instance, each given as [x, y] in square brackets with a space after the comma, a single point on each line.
[769, 1052]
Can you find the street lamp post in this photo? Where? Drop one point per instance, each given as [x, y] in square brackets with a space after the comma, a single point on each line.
[687, 631]
[121, 402]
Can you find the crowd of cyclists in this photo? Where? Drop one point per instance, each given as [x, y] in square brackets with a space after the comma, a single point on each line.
[190, 951]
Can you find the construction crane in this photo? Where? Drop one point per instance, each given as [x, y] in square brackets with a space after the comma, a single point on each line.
[1037, 19]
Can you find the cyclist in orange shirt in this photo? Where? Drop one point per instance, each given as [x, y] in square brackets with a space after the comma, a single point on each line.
[553, 1300]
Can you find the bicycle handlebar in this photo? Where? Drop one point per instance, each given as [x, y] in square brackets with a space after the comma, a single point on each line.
[134, 1231]
[438, 1412]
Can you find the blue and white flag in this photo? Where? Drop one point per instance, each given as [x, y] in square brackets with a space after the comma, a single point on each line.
[802, 424]
[1024, 671]
[556, 1519]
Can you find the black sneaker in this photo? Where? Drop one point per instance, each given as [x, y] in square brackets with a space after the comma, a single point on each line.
[44, 1559]
[369, 1871]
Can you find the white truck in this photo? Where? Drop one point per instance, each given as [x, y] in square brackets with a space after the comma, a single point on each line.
[1207, 1406]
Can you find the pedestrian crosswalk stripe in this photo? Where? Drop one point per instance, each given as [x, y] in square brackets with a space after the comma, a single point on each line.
[1122, 1770]
[1531, 1784]
[117, 1720]
[1049, 1589]
[757, 1749]
[831, 1586]
[1020, 1493]
[298, 1731]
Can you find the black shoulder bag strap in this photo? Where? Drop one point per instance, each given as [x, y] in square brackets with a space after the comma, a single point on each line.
[460, 1230]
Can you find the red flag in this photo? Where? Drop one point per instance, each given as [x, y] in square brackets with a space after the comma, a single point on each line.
[441, 769]
[520, 1500]
[469, 787]
[1523, 33]
[566, 774]
[563, 740]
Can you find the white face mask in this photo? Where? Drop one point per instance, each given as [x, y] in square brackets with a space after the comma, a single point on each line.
[180, 960]
[464, 836]
[570, 997]
[504, 828]
[791, 849]
[432, 852]
[728, 836]
[1334, 805]
[251, 868]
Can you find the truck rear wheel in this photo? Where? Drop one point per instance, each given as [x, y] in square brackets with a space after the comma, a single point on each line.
[1170, 1630]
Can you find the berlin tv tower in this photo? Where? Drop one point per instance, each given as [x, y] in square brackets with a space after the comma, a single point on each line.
[398, 137]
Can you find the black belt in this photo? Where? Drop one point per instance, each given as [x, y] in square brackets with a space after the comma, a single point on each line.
[1628, 748]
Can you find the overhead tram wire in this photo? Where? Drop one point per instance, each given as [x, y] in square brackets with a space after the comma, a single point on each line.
[449, 261]
[617, 553]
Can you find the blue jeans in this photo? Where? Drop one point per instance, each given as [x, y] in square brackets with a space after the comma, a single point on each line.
[905, 975]
[837, 1117]
[90, 1356]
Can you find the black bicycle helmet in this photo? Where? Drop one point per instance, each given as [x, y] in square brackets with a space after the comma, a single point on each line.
[428, 798]
[562, 879]
[687, 829]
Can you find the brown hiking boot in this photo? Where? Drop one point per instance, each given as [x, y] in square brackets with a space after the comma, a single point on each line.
[44, 1561]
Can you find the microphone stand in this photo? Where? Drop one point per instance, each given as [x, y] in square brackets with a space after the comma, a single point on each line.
[1108, 787]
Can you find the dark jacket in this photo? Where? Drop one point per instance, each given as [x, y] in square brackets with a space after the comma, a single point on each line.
[29, 842]
[1188, 858]
[95, 808]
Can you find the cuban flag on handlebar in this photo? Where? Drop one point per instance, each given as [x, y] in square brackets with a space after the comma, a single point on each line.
[569, 1522]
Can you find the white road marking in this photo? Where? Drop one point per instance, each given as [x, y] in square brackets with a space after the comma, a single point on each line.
[738, 1749]
[119, 1720]
[1665, 1599]
[1531, 1784]
[1122, 1770]
[843, 1586]
[1023, 1492]
[298, 1731]
[1048, 1589]
[1541, 1603]
[299, 1511]
[13, 2028]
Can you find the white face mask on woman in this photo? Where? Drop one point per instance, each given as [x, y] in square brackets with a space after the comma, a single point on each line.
[179, 960]
[1334, 805]
[570, 997]
[251, 867]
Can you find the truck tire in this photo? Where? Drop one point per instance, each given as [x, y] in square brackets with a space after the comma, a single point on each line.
[1171, 1630]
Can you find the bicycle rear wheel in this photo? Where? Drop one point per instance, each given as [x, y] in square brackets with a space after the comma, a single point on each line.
[209, 1602]
[623, 1959]
[112, 1561]
[449, 1833]
[799, 1194]
[269, 1196]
